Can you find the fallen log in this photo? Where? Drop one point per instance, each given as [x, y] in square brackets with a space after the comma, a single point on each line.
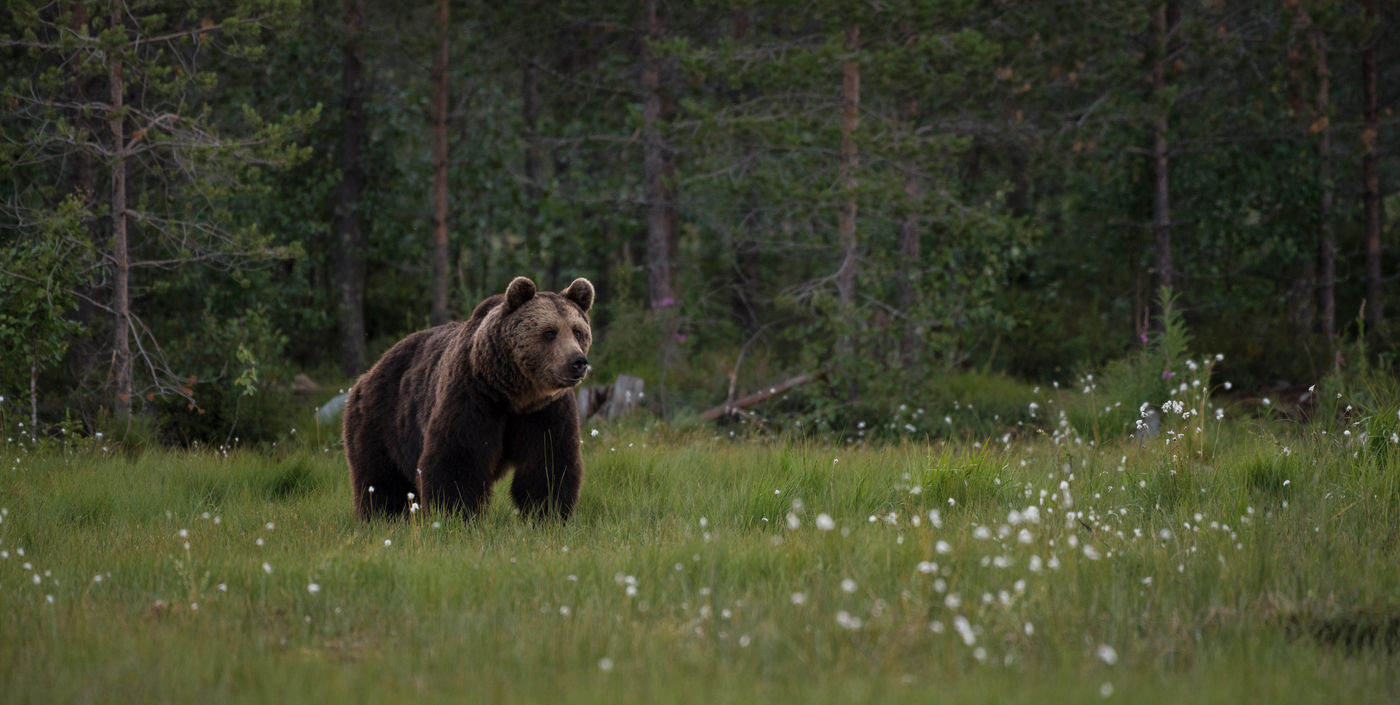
[756, 397]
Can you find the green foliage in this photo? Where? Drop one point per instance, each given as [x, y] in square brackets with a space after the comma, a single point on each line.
[247, 381]
[241, 400]
[1162, 389]
[1023, 126]
[1170, 338]
[187, 151]
[1360, 401]
[39, 272]
[775, 205]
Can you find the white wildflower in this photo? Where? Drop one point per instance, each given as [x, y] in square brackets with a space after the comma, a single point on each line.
[964, 629]
[1107, 654]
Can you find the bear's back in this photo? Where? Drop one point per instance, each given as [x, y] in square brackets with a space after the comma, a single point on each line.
[398, 392]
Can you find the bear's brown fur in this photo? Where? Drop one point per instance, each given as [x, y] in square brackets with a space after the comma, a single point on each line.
[450, 410]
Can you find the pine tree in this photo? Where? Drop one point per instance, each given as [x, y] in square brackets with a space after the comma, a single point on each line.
[171, 163]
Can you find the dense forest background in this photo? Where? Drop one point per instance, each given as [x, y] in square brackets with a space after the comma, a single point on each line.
[910, 202]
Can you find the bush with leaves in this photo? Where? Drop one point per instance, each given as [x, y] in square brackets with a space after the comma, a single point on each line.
[39, 272]
[238, 389]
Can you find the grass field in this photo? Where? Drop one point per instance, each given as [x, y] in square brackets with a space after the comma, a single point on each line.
[1243, 564]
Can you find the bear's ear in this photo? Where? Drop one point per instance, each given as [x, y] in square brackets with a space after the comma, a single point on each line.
[521, 289]
[581, 293]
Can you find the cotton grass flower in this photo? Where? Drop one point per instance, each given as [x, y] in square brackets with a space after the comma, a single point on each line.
[1107, 654]
[848, 620]
[964, 629]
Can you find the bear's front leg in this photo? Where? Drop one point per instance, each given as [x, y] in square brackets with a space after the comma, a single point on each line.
[457, 467]
[544, 449]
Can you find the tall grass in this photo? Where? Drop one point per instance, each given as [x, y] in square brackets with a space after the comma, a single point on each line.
[1040, 567]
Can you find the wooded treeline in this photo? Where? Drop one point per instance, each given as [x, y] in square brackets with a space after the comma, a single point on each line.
[201, 199]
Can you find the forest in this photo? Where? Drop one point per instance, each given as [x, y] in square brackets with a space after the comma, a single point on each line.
[210, 208]
[984, 350]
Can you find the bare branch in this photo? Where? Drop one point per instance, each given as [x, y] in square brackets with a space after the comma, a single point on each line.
[196, 30]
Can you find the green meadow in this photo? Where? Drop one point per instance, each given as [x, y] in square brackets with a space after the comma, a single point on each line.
[1252, 561]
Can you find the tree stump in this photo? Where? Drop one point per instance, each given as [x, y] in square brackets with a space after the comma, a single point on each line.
[611, 401]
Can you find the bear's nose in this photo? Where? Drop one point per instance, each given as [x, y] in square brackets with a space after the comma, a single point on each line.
[579, 365]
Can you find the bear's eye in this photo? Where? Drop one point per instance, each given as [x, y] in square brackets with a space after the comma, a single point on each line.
[551, 334]
[578, 334]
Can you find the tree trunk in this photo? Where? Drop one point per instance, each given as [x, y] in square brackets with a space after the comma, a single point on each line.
[84, 352]
[654, 176]
[850, 161]
[440, 313]
[846, 179]
[658, 171]
[1164, 21]
[350, 244]
[751, 399]
[121, 262]
[530, 115]
[1371, 178]
[745, 266]
[846, 211]
[84, 179]
[1161, 206]
[1326, 242]
[909, 251]
[34, 386]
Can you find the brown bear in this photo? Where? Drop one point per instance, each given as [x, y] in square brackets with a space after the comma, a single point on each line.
[450, 410]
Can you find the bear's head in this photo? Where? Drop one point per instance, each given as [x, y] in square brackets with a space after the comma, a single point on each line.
[546, 336]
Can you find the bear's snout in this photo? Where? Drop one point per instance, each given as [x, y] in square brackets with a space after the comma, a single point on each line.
[578, 365]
